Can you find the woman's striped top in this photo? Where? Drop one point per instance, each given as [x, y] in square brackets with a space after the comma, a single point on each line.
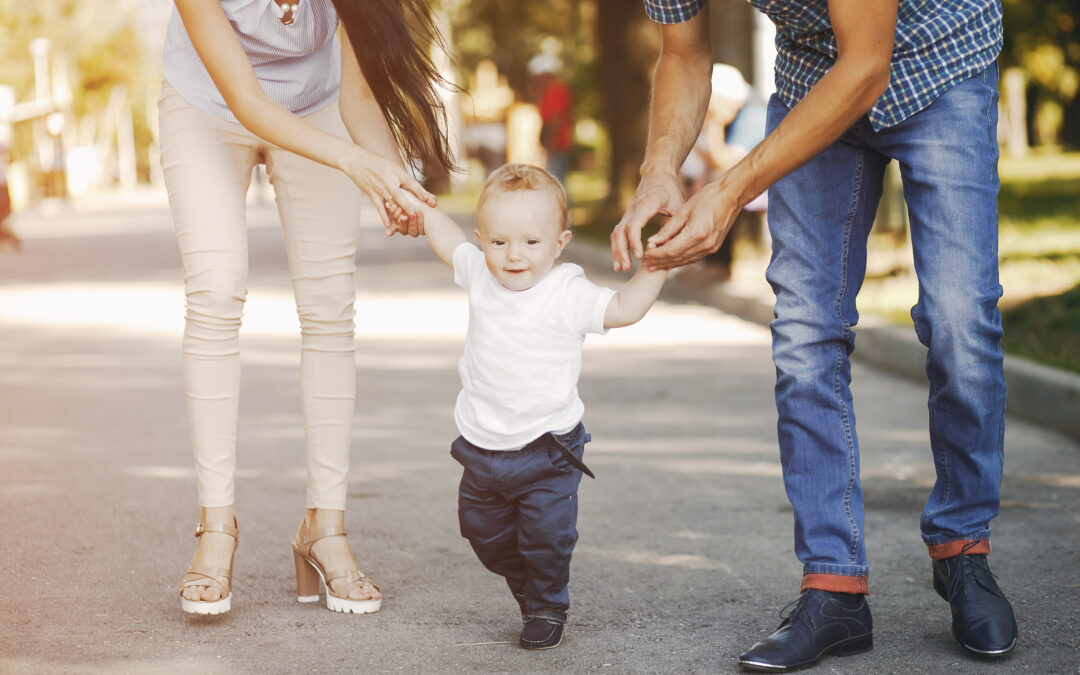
[298, 65]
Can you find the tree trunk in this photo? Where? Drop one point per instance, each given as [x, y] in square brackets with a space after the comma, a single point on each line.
[1014, 85]
[1070, 126]
[629, 46]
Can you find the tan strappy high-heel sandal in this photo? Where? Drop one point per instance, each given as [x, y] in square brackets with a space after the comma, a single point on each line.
[213, 577]
[309, 571]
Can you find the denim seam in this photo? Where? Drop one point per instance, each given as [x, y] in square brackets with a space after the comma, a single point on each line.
[841, 294]
[991, 137]
[938, 448]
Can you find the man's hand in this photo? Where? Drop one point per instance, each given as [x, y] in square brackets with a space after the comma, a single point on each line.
[656, 194]
[696, 229]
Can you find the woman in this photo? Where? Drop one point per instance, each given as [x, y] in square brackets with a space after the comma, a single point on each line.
[249, 81]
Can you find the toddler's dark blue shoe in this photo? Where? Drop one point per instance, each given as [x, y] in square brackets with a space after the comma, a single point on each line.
[542, 630]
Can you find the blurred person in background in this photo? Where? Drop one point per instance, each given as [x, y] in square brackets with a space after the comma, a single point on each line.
[7, 235]
[734, 124]
[555, 102]
[249, 81]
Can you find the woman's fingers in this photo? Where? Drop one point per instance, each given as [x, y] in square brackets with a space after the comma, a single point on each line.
[413, 220]
[398, 219]
[413, 186]
[381, 209]
[395, 194]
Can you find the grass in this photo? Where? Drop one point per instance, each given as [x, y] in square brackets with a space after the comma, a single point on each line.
[1046, 329]
[1040, 257]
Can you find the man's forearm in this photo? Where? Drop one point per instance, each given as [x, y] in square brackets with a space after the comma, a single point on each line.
[860, 75]
[680, 96]
[828, 110]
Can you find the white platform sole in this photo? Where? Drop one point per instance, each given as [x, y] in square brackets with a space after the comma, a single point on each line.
[207, 606]
[341, 604]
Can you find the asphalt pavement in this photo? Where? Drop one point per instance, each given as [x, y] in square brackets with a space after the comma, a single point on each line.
[685, 551]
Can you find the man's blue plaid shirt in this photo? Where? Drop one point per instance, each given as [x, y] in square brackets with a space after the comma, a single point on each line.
[938, 43]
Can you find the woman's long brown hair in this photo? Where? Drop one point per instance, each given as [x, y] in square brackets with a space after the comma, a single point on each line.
[391, 39]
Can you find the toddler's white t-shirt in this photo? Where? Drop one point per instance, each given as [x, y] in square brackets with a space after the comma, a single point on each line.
[522, 357]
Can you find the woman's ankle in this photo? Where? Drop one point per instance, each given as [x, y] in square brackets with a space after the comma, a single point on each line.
[223, 515]
[323, 518]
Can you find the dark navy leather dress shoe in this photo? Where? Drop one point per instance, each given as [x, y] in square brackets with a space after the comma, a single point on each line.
[821, 623]
[982, 619]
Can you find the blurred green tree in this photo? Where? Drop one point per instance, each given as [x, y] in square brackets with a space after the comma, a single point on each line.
[94, 44]
[608, 48]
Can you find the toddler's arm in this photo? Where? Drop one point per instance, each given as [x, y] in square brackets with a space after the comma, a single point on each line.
[630, 304]
[442, 232]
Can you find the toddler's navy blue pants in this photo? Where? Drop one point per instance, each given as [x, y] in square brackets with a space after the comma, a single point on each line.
[518, 509]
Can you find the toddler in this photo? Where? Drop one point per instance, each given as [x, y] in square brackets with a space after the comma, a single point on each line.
[518, 411]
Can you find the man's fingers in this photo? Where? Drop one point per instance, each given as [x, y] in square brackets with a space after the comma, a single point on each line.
[655, 196]
[618, 248]
[626, 238]
[682, 249]
[680, 241]
[674, 226]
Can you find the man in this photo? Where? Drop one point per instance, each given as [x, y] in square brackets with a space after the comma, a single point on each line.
[847, 102]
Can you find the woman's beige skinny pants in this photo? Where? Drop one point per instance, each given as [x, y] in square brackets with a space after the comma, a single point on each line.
[207, 165]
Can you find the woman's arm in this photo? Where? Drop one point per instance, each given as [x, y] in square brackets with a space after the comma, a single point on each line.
[212, 35]
[369, 128]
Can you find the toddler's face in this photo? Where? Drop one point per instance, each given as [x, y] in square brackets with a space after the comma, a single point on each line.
[520, 235]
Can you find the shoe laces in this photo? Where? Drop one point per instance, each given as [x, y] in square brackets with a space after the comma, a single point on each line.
[797, 608]
[969, 570]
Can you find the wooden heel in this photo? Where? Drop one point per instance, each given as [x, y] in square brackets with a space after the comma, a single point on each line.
[309, 572]
[307, 580]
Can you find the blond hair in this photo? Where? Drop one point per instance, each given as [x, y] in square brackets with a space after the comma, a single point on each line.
[515, 177]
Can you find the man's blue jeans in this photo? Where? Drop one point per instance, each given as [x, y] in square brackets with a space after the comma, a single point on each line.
[820, 217]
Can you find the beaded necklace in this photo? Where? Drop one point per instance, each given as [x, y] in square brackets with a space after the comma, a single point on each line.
[286, 11]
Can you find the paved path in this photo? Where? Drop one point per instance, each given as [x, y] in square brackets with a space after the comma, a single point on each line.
[685, 551]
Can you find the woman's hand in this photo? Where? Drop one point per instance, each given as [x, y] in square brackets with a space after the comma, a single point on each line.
[391, 190]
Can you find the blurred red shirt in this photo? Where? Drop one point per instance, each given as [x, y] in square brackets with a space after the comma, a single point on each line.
[555, 109]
